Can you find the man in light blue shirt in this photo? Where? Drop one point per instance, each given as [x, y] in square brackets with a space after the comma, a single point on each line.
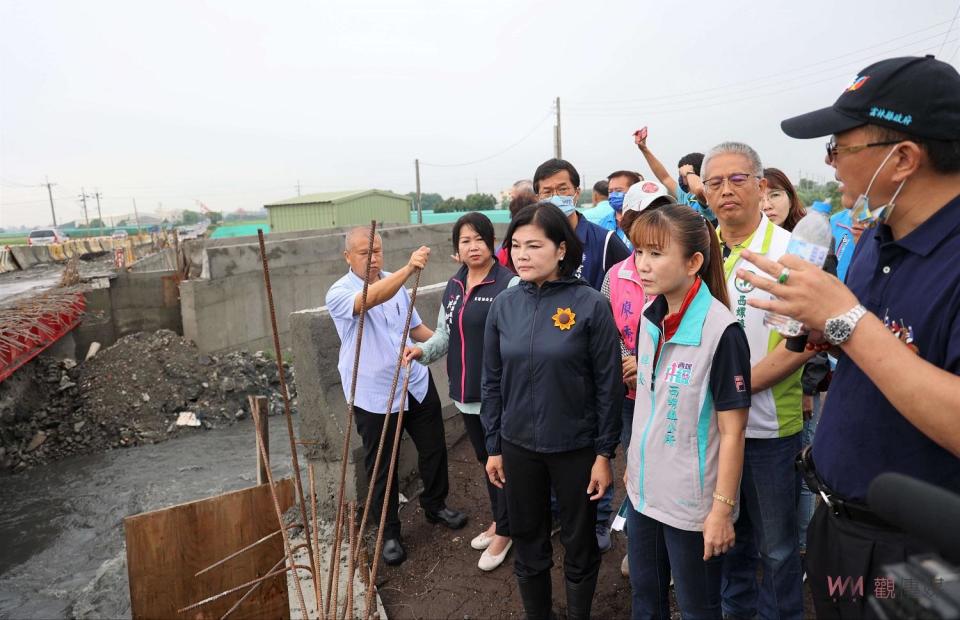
[386, 312]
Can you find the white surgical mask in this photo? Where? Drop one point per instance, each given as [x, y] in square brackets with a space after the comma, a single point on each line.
[862, 212]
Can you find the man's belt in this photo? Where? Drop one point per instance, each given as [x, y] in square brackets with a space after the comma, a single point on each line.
[840, 506]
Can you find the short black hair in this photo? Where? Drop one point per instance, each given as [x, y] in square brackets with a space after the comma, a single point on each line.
[557, 229]
[630, 174]
[551, 167]
[602, 187]
[944, 155]
[479, 223]
[692, 159]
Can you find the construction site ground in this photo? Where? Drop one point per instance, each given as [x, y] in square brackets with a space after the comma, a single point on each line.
[15, 285]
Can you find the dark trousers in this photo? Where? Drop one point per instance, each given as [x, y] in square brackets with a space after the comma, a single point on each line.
[423, 422]
[530, 476]
[844, 558]
[498, 499]
[656, 550]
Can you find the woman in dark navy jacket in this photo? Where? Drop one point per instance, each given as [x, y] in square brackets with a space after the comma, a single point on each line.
[459, 335]
[552, 391]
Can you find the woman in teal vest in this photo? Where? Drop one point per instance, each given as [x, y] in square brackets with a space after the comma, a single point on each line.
[693, 394]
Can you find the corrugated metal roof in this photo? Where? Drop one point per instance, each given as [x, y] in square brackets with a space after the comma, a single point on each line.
[334, 197]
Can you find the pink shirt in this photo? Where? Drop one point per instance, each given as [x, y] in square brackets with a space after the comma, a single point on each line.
[627, 300]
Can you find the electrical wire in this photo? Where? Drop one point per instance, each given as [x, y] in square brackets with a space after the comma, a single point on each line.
[495, 155]
[946, 36]
[778, 77]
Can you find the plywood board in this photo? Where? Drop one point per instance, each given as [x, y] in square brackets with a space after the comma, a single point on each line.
[167, 547]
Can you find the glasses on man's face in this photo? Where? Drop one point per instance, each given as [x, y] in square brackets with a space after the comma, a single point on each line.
[833, 148]
[737, 179]
[563, 190]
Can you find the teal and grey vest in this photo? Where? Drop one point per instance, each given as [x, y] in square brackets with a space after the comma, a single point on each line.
[673, 459]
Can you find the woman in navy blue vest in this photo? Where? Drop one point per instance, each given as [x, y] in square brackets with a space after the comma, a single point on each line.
[460, 327]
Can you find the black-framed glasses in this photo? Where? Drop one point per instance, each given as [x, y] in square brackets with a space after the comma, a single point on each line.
[737, 179]
[563, 190]
[833, 148]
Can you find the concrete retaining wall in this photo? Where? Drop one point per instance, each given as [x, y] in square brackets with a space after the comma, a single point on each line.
[27, 256]
[7, 262]
[323, 409]
[164, 260]
[229, 310]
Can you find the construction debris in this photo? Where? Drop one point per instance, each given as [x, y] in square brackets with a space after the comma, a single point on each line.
[131, 393]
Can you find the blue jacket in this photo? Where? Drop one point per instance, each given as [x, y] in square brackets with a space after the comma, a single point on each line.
[552, 376]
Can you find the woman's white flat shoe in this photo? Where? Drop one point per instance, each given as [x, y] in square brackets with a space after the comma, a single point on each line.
[482, 541]
[488, 561]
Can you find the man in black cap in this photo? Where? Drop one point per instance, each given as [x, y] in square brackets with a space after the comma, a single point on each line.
[893, 402]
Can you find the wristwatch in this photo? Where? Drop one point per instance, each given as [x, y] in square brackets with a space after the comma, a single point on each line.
[839, 329]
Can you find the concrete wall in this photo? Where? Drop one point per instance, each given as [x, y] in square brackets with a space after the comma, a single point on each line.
[229, 310]
[164, 260]
[323, 409]
[128, 303]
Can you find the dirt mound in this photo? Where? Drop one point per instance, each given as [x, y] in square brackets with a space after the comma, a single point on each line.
[129, 394]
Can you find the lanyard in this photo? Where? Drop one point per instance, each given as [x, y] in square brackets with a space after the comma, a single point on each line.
[731, 260]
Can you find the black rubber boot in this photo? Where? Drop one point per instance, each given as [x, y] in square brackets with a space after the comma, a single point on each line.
[537, 596]
[580, 598]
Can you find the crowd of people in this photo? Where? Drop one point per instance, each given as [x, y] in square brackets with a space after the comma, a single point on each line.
[748, 462]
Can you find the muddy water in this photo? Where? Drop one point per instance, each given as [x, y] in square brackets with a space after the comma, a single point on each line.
[61, 533]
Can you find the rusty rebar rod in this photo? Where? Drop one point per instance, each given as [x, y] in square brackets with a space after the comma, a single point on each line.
[295, 462]
[252, 589]
[242, 551]
[315, 543]
[353, 392]
[269, 575]
[249, 592]
[335, 571]
[351, 551]
[383, 434]
[383, 513]
[276, 507]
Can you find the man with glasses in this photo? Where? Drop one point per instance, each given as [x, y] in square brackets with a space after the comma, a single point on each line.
[893, 402]
[557, 181]
[770, 488]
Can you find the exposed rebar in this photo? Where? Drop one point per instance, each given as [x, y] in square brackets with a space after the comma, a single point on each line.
[351, 552]
[295, 462]
[383, 433]
[353, 391]
[276, 507]
[315, 543]
[332, 595]
[383, 513]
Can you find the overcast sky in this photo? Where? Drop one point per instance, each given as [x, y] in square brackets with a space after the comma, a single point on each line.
[231, 103]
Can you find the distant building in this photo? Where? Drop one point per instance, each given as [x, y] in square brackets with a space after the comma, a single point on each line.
[335, 209]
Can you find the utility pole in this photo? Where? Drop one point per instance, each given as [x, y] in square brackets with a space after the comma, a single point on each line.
[416, 163]
[53, 212]
[557, 150]
[136, 214]
[97, 195]
[298, 188]
[83, 198]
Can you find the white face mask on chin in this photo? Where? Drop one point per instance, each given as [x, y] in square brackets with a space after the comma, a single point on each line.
[861, 211]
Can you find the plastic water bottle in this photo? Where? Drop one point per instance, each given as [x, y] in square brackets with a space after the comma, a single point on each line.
[811, 240]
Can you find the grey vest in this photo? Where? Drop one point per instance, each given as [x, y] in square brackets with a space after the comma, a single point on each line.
[673, 460]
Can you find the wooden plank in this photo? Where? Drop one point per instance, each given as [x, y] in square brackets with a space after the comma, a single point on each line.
[166, 547]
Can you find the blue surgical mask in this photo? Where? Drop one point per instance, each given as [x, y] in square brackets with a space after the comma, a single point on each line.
[616, 200]
[564, 203]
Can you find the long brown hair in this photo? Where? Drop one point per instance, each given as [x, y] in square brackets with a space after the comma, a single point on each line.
[681, 224]
[776, 179]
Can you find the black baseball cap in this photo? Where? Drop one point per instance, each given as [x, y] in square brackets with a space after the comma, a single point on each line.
[919, 96]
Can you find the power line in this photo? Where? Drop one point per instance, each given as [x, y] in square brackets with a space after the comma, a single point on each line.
[705, 103]
[497, 154]
[957, 12]
[779, 76]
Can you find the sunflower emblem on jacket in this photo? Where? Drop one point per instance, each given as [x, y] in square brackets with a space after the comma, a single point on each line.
[564, 318]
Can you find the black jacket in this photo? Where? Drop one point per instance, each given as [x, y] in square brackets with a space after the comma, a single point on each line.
[548, 387]
[467, 312]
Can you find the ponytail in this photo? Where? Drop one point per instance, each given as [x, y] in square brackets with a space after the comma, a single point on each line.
[712, 269]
